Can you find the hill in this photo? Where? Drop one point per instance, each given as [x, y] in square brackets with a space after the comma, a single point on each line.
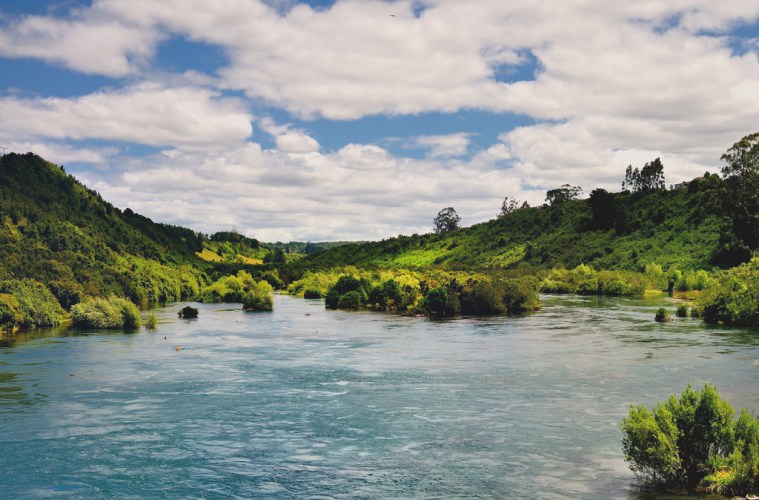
[678, 228]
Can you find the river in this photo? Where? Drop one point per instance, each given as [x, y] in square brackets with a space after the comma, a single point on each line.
[305, 402]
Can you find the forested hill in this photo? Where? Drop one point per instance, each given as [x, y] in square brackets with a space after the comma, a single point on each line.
[56, 231]
[683, 228]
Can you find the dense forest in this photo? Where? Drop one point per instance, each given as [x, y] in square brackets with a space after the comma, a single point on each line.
[61, 244]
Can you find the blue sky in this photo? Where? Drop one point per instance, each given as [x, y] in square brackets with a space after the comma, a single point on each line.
[360, 119]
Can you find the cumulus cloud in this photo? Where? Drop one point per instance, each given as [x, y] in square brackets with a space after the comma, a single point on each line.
[441, 146]
[288, 139]
[88, 42]
[146, 113]
[357, 192]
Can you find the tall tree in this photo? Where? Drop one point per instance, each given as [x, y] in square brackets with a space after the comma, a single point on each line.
[649, 178]
[740, 201]
[447, 220]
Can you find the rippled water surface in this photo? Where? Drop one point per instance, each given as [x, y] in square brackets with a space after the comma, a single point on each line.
[309, 403]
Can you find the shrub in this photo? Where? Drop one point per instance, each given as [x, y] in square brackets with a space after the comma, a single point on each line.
[350, 300]
[103, 313]
[257, 300]
[682, 311]
[150, 321]
[588, 287]
[436, 302]
[312, 293]
[483, 298]
[693, 440]
[332, 299]
[662, 316]
[28, 303]
[188, 312]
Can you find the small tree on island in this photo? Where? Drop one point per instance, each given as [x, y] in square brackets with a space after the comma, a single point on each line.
[447, 220]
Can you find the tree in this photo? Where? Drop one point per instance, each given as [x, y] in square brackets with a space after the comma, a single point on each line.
[603, 209]
[447, 220]
[682, 440]
[509, 205]
[649, 178]
[740, 201]
[563, 194]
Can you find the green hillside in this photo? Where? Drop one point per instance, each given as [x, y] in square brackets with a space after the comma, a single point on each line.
[626, 231]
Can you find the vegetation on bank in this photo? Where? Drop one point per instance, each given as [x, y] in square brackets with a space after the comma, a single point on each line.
[106, 312]
[693, 442]
[28, 303]
[434, 293]
[733, 299]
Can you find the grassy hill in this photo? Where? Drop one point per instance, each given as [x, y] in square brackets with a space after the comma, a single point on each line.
[678, 228]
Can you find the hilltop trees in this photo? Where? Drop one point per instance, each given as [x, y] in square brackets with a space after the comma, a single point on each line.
[649, 178]
[563, 194]
[447, 220]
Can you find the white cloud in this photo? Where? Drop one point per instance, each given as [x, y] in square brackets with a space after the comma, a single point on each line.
[146, 113]
[358, 192]
[441, 146]
[289, 140]
[88, 42]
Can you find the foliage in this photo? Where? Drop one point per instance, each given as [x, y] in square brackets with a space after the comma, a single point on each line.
[27, 303]
[510, 205]
[447, 220]
[106, 312]
[437, 304]
[649, 178]
[733, 298]
[563, 194]
[612, 231]
[232, 288]
[150, 321]
[662, 315]
[689, 440]
[188, 312]
[740, 201]
[257, 297]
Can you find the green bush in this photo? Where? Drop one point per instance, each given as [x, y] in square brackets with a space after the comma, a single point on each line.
[28, 303]
[483, 299]
[436, 303]
[257, 300]
[350, 300]
[682, 311]
[733, 297]
[103, 313]
[662, 316]
[188, 312]
[312, 294]
[150, 321]
[693, 441]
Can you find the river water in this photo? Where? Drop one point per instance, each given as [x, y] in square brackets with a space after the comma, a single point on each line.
[310, 403]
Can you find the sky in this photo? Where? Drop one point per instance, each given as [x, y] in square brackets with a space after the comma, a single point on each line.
[361, 119]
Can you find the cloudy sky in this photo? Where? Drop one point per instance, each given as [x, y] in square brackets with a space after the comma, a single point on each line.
[361, 119]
